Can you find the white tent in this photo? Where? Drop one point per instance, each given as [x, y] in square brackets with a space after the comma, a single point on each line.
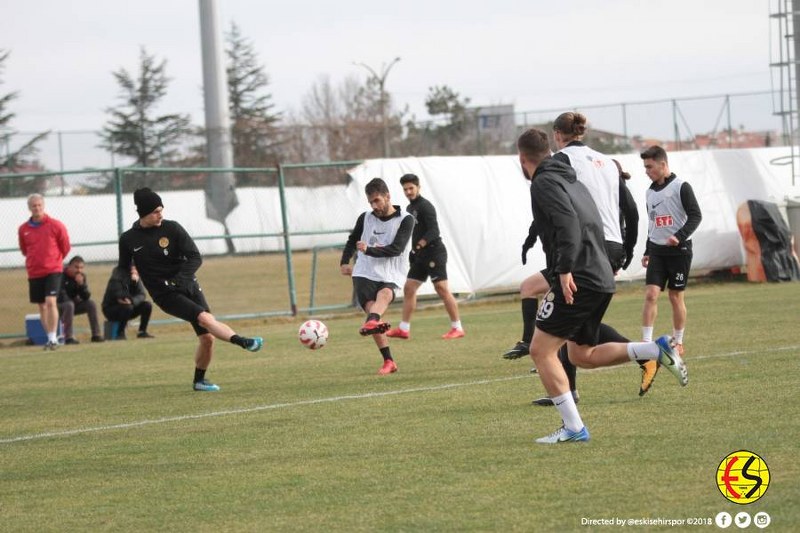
[483, 205]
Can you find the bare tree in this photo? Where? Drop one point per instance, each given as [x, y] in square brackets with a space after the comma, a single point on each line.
[341, 122]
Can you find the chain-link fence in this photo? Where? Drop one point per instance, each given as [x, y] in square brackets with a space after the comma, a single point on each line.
[258, 260]
[743, 120]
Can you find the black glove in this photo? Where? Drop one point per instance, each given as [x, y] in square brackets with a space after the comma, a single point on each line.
[628, 259]
[412, 256]
[527, 245]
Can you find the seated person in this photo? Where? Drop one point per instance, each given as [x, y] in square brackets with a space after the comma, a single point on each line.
[74, 298]
[125, 299]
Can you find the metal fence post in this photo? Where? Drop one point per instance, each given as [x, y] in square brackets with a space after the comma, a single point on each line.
[730, 126]
[313, 289]
[61, 162]
[118, 194]
[287, 245]
[625, 123]
[675, 124]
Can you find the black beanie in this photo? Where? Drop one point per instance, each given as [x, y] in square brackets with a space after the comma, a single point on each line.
[146, 201]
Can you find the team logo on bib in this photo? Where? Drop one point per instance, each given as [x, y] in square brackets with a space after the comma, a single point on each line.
[163, 242]
[663, 221]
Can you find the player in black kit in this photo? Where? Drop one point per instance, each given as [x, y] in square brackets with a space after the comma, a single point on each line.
[167, 260]
[581, 283]
[428, 257]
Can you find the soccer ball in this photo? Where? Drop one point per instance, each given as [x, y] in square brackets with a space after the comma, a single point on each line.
[313, 334]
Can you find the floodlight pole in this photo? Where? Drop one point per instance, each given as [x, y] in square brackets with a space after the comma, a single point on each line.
[381, 79]
[215, 88]
[220, 191]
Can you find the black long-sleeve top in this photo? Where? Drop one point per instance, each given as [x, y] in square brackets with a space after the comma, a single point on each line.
[72, 290]
[427, 225]
[121, 286]
[570, 227]
[628, 217]
[162, 254]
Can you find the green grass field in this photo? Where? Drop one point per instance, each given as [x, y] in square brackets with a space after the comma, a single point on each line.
[110, 437]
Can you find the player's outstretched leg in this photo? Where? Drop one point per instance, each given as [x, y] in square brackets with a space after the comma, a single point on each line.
[251, 344]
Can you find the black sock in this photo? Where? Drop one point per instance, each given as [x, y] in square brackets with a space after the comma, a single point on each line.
[199, 374]
[609, 334]
[529, 308]
[569, 368]
[239, 341]
[373, 316]
[387, 354]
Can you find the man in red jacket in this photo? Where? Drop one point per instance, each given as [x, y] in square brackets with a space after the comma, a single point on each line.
[44, 242]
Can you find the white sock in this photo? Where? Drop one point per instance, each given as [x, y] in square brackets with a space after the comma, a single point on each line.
[643, 350]
[405, 326]
[647, 333]
[52, 337]
[677, 336]
[565, 404]
[456, 324]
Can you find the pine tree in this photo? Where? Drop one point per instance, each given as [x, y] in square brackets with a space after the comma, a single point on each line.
[442, 101]
[253, 122]
[134, 129]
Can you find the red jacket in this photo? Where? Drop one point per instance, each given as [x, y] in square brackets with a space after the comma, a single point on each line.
[44, 246]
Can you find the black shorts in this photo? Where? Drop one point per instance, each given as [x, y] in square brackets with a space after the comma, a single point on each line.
[186, 303]
[669, 270]
[367, 290]
[430, 261]
[39, 288]
[579, 322]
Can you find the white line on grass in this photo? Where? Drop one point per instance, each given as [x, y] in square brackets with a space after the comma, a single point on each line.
[79, 431]
[182, 418]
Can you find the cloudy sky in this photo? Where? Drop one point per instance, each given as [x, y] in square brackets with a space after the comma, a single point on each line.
[535, 54]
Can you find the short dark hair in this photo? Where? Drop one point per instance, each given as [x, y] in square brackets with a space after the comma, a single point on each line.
[655, 153]
[534, 144]
[409, 178]
[76, 259]
[376, 185]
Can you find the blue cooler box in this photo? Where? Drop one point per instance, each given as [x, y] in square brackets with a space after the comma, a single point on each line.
[34, 330]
